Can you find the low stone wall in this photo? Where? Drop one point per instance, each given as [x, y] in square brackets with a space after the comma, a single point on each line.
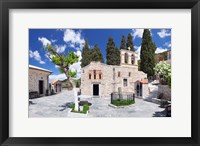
[164, 91]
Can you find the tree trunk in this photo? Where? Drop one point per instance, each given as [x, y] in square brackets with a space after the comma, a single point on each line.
[75, 99]
[75, 93]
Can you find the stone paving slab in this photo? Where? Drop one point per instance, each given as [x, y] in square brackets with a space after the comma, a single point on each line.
[58, 106]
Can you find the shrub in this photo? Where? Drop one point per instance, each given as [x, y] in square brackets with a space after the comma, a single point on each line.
[122, 102]
[85, 108]
[163, 70]
[72, 106]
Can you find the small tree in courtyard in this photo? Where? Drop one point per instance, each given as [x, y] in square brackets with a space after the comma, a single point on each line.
[64, 61]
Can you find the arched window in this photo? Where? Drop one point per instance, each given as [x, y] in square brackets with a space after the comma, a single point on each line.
[94, 74]
[100, 76]
[90, 76]
[118, 73]
[132, 59]
[126, 58]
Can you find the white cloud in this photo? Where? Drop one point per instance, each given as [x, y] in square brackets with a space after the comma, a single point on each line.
[56, 66]
[74, 39]
[168, 44]
[60, 48]
[75, 67]
[53, 41]
[44, 41]
[72, 45]
[164, 33]
[138, 50]
[57, 77]
[137, 33]
[79, 53]
[160, 50]
[36, 56]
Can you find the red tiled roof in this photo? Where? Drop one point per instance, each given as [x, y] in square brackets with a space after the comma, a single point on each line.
[54, 81]
[143, 81]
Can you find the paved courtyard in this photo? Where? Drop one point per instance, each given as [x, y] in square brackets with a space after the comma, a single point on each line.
[58, 106]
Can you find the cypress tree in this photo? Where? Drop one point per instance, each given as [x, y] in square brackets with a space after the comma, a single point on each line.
[147, 54]
[129, 42]
[85, 55]
[123, 42]
[112, 53]
[117, 58]
[96, 54]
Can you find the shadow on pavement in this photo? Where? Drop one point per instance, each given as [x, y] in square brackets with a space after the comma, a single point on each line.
[31, 103]
[65, 106]
[160, 114]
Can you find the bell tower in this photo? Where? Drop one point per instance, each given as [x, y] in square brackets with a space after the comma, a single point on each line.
[128, 58]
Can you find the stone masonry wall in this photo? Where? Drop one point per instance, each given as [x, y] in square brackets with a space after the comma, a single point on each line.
[110, 81]
[166, 90]
[34, 77]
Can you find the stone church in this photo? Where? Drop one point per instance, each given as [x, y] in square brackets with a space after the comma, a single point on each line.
[99, 79]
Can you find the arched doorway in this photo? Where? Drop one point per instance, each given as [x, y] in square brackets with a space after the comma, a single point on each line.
[139, 89]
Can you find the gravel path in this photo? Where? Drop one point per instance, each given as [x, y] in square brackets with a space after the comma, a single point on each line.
[58, 106]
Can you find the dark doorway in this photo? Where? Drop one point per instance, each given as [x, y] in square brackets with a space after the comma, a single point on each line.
[139, 89]
[41, 87]
[96, 89]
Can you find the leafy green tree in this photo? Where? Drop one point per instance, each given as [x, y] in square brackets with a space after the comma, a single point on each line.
[123, 42]
[96, 54]
[147, 54]
[64, 61]
[112, 53]
[129, 42]
[85, 55]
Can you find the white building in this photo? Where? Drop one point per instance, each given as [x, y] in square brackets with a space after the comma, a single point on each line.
[56, 86]
[39, 80]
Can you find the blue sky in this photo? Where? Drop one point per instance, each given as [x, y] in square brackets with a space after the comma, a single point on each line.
[73, 40]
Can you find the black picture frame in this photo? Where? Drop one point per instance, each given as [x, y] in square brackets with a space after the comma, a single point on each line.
[5, 5]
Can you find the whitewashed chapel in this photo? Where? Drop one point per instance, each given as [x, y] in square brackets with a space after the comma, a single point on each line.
[99, 79]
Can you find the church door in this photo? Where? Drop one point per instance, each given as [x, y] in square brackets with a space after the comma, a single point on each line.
[96, 89]
[41, 86]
